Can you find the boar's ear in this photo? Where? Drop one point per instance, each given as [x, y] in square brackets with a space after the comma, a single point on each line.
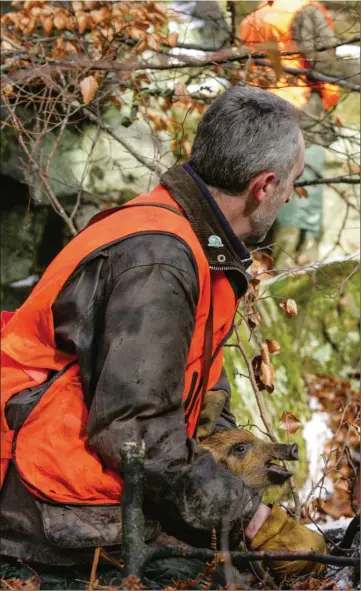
[240, 448]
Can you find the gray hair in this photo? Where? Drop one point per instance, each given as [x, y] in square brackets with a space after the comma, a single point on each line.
[245, 131]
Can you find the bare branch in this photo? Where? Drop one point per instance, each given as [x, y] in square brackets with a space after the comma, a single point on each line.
[147, 162]
[241, 558]
[52, 197]
[326, 181]
[180, 62]
[262, 411]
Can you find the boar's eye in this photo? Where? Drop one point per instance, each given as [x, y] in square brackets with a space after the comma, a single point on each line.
[240, 448]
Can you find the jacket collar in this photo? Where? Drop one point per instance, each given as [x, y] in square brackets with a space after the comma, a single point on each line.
[240, 249]
[211, 232]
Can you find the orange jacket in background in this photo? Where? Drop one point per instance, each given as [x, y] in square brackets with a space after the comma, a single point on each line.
[273, 22]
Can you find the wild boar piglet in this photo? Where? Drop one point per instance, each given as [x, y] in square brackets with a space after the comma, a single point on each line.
[250, 457]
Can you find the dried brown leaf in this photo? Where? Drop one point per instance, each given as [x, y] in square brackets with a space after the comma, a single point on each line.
[77, 6]
[60, 22]
[7, 90]
[82, 20]
[262, 263]
[253, 318]
[263, 373]
[273, 346]
[167, 104]
[289, 422]
[311, 584]
[90, 4]
[354, 169]
[265, 353]
[30, 27]
[267, 374]
[29, 4]
[48, 25]
[132, 582]
[173, 39]
[161, 8]
[341, 484]
[11, 18]
[135, 33]
[141, 46]
[153, 42]
[88, 88]
[289, 307]
[266, 262]
[301, 192]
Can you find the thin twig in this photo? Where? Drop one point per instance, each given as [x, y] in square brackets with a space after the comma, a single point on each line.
[262, 410]
[338, 191]
[94, 569]
[257, 393]
[147, 162]
[52, 197]
[326, 181]
[111, 559]
[244, 557]
[311, 75]
[180, 62]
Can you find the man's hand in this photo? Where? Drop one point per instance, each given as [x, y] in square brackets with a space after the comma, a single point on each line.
[258, 519]
[274, 530]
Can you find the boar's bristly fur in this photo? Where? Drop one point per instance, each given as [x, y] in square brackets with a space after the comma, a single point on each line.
[251, 458]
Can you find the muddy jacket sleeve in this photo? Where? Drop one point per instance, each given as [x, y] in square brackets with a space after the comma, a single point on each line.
[311, 32]
[130, 315]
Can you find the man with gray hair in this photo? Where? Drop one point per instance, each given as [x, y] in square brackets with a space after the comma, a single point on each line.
[122, 340]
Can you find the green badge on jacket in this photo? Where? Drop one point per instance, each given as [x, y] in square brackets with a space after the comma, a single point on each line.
[215, 241]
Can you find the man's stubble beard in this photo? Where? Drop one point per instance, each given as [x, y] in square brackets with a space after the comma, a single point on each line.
[260, 225]
[262, 221]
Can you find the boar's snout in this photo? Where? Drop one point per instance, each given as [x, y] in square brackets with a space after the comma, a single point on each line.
[285, 452]
[294, 452]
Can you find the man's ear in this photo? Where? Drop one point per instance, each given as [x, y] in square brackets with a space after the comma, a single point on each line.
[259, 185]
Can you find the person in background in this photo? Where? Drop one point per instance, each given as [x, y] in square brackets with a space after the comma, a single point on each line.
[306, 27]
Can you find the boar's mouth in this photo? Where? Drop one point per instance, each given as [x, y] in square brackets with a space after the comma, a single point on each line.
[277, 474]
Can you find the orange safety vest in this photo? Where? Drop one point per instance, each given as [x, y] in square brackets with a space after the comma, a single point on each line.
[50, 450]
[274, 22]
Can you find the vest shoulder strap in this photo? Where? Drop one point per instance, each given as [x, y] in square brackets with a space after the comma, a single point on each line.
[207, 354]
[104, 214]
